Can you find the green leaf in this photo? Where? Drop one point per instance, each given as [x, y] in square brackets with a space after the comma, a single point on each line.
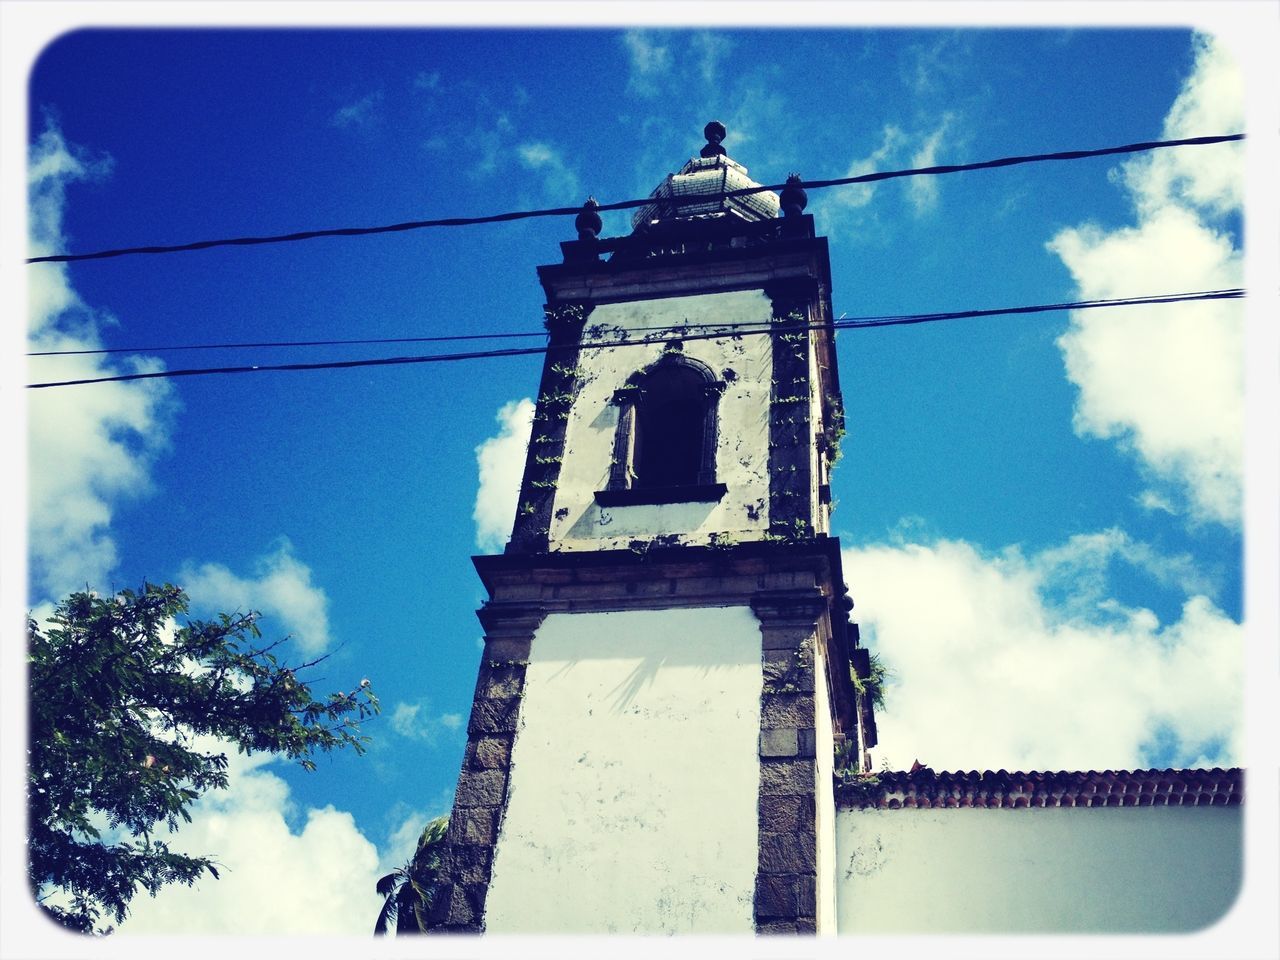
[388, 883]
[114, 713]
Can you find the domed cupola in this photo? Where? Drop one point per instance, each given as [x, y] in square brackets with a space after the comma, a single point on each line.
[696, 193]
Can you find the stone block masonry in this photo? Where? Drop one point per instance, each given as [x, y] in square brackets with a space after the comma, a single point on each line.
[790, 595]
[791, 622]
[480, 797]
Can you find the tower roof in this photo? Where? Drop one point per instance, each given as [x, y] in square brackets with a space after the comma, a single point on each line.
[709, 175]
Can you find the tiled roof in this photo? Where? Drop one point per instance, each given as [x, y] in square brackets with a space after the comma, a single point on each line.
[708, 177]
[924, 788]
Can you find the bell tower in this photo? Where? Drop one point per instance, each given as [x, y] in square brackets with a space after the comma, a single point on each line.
[666, 671]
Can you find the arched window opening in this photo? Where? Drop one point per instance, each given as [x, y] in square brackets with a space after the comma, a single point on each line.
[670, 423]
[664, 449]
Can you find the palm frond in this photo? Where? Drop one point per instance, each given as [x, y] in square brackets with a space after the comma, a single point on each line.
[385, 916]
[387, 884]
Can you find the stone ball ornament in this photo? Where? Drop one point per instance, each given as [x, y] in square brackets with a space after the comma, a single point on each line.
[588, 222]
[715, 134]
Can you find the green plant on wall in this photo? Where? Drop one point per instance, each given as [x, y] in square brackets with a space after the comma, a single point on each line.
[872, 686]
[566, 313]
[860, 789]
[845, 751]
[795, 530]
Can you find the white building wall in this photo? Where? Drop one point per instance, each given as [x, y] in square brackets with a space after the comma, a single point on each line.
[821, 517]
[742, 455]
[1052, 870]
[632, 804]
[824, 798]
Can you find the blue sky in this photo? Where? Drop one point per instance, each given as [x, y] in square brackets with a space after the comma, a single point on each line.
[1041, 515]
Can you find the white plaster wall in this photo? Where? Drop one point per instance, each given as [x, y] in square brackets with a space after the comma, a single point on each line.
[821, 512]
[632, 805]
[742, 455]
[825, 798]
[1053, 870]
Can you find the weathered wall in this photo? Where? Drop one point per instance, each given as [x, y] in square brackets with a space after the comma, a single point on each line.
[822, 514]
[632, 804]
[1067, 869]
[578, 523]
[824, 797]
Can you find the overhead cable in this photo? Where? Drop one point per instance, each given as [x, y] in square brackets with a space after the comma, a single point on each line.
[628, 204]
[843, 322]
[721, 331]
[285, 343]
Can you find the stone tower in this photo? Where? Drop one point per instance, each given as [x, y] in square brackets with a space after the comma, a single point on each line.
[666, 670]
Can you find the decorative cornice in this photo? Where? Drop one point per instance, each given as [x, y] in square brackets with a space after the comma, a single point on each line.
[713, 259]
[925, 789]
[800, 607]
[791, 585]
[511, 616]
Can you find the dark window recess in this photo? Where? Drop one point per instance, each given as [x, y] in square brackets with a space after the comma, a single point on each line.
[672, 413]
[665, 447]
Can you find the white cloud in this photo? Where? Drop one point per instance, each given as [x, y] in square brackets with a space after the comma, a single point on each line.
[501, 463]
[359, 113]
[1150, 500]
[755, 122]
[427, 81]
[402, 842]
[413, 720]
[892, 144]
[1167, 382]
[489, 143]
[1211, 102]
[928, 68]
[711, 49]
[650, 60]
[559, 182]
[990, 673]
[280, 588]
[319, 880]
[1081, 564]
[89, 446]
[897, 149]
[922, 192]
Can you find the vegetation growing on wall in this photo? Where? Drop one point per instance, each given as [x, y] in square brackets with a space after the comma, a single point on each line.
[872, 686]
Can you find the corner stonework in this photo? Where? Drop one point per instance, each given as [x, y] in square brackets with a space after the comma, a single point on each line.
[556, 393]
[791, 512]
[481, 796]
[786, 876]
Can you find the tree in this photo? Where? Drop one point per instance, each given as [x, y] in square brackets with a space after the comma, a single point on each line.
[130, 717]
[409, 891]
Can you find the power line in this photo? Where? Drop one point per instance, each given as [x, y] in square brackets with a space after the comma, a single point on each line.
[628, 204]
[284, 343]
[723, 330]
[1235, 293]
[842, 323]
[331, 343]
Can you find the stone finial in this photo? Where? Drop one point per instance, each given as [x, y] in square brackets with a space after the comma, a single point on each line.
[588, 222]
[715, 134]
[793, 198]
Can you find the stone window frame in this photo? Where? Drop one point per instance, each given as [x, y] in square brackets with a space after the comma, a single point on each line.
[620, 489]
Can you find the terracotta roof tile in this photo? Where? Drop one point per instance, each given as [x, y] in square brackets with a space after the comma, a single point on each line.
[927, 789]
